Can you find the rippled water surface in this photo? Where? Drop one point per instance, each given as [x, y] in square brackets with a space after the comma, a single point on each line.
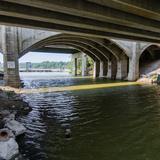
[120, 123]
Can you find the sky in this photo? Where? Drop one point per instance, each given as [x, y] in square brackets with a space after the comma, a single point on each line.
[35, 57]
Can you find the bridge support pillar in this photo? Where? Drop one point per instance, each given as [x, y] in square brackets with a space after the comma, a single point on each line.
[109, 73]
[84, 64]
[122, 69]
[134, 63]
[105, 68]
[10, 53]
[75, 66]
[101, 74]
[96, 69]
[113, 68]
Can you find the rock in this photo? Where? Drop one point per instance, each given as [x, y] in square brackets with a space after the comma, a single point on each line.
[16, 127]
[8, 145]
[68, 133]
[10, 117]
[5, 134]
[8, 149]
[158, 79]
[5, 113]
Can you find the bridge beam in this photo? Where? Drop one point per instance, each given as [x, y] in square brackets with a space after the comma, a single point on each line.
[10, 53]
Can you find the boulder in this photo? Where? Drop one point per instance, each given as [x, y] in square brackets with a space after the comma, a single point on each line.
[5, 113]
[9, 117]
[6, 134]
[16, 127]
[8, 149]
[158, 79]
[68, 133]
[8, 145]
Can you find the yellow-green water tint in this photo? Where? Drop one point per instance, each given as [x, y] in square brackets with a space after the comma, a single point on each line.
[78, 87]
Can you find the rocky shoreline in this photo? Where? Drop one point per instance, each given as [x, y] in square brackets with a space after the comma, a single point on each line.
[150, 78]
[12, 107]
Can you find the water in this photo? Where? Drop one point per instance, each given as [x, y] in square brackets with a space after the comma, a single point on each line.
[117, 123]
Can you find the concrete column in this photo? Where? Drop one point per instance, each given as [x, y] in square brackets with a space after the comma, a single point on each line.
[75, 66]
[101, 69]
[134, 63]
[122, 68]
[96, 69]
[109, 73]
[105, 68]
[113, 68]
[10, 53]
[84, 64]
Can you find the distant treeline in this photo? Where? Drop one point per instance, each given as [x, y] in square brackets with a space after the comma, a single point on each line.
[48, 65]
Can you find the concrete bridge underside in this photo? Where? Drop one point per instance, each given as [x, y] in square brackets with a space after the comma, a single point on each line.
[126, 19]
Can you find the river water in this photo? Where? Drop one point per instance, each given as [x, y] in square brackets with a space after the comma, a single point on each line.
[119, 123]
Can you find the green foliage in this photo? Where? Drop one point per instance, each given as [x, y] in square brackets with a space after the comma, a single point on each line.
[49, 65]
[90, 65]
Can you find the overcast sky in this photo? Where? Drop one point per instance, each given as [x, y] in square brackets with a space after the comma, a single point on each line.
[40, 57]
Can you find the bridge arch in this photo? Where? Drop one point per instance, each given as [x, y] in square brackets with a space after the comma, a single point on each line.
[105, 50]
[149, 59]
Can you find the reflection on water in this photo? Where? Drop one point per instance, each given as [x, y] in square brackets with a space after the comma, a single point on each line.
[106, 124]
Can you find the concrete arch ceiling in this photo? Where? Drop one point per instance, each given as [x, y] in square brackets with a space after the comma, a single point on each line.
[80, 48]
[100, 46]
[90, 46]
[107, 47]
[90, 43]
[95, 52]
[84, 46]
